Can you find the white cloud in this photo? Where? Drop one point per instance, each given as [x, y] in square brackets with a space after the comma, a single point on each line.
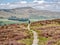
[39, 1]
[37, 4]
[5, 4]
[8, 4]
[43, 5]
[23, 2]
[13, 5]
[35, 1]
[2, 4]
[48, 6]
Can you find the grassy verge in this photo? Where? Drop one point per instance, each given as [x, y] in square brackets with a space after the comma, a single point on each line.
[42, 40]
[26, 41]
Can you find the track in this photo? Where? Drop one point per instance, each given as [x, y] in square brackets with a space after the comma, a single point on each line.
[35, 36]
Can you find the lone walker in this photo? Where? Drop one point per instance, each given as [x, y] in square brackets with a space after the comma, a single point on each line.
[29, 22]
[29, 25]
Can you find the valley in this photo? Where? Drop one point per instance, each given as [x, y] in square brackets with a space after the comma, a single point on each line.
[28, 26]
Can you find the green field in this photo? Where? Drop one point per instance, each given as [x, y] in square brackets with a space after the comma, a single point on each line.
[6, 22]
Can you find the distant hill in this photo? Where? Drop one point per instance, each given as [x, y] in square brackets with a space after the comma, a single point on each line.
[28, 12]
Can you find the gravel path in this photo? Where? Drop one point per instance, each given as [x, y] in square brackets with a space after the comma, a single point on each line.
[35, 36]
[35, 41]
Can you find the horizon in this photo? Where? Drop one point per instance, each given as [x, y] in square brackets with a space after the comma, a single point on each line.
[52, 5]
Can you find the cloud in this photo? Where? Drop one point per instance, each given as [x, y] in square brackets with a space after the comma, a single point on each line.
[23, 2]
[13, 5]
[37, 4]
[45, 5]
[48, 6]
[4, 4]
[39, 1]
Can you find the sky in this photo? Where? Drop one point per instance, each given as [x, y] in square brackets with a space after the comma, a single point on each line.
[12, 1]
[53, 5]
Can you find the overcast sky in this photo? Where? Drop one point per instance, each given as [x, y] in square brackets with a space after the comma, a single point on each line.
[37, 4]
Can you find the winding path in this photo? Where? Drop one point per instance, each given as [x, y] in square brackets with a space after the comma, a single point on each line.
[35, 41]
[35, 36]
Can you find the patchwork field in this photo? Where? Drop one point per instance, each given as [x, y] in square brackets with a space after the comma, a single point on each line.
[6, 22]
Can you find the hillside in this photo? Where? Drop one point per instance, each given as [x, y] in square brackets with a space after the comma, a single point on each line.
[15, 34]
[48, 31]
[26, 12]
